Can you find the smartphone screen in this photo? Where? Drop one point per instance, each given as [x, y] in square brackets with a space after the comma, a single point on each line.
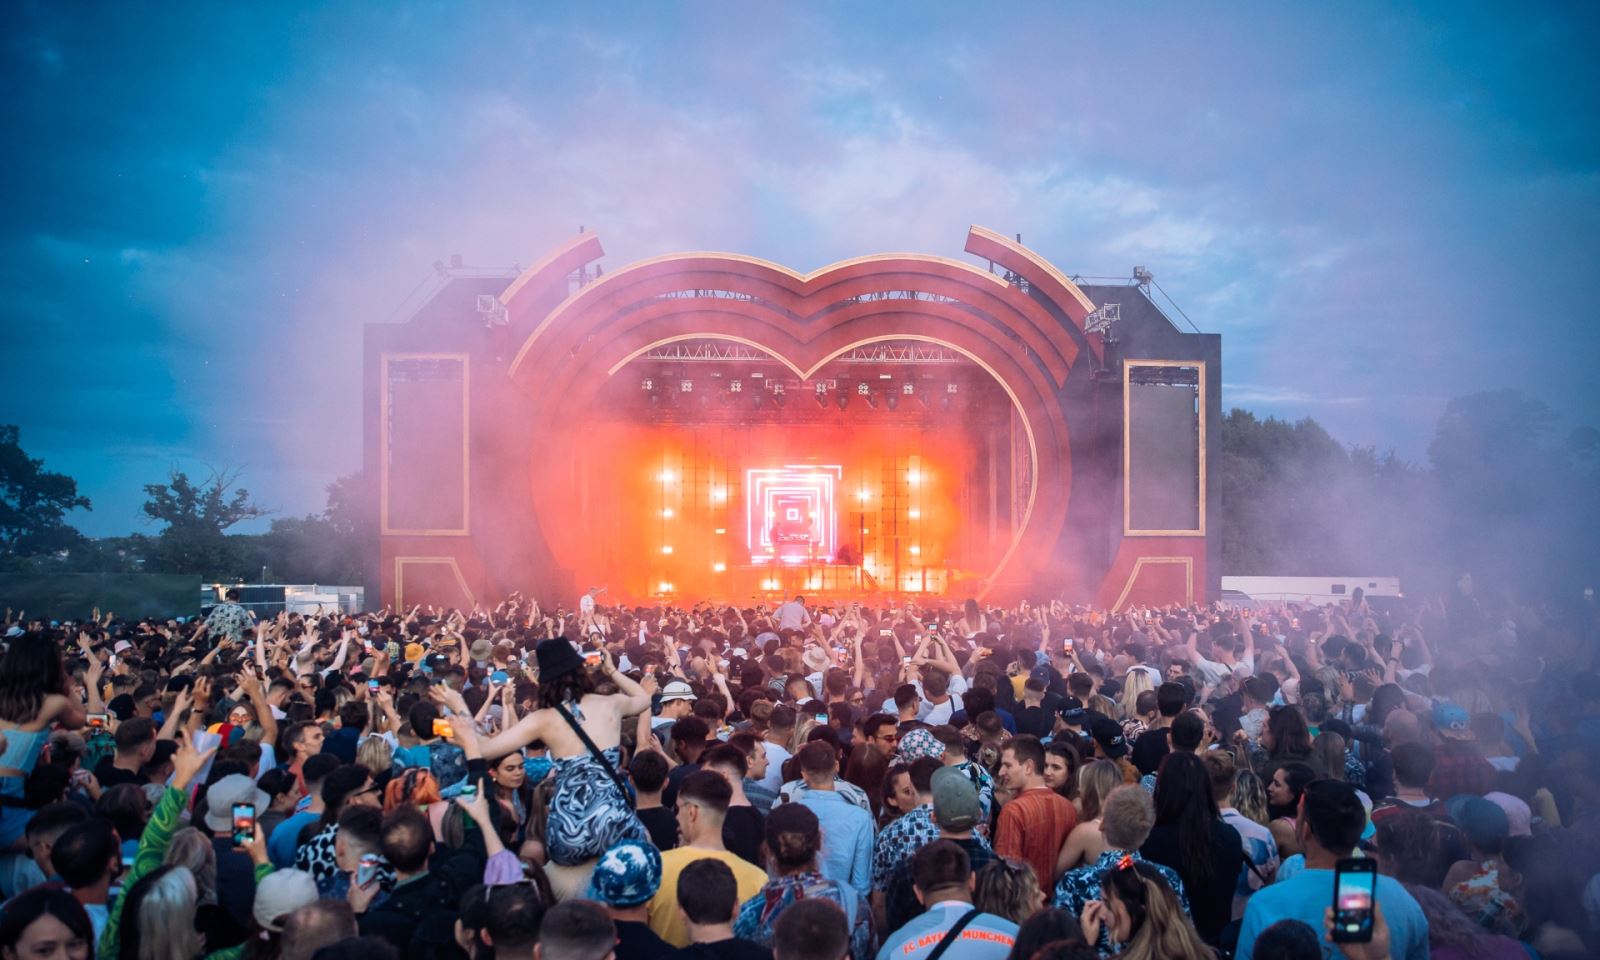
[244, 823]
[372, 686]
[368, 871]
[1354, 886]
[441, 727]
[97, 720]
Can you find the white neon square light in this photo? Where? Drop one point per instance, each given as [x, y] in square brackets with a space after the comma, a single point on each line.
[803, 496]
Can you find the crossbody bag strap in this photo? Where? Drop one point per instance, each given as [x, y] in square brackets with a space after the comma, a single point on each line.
[600, 757]
[953, 933]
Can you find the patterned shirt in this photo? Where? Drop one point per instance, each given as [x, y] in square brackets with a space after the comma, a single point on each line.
[1078, 887]
[984, 784]
[1262, 850]
[761, 911]
[899, 842]
[229, 620]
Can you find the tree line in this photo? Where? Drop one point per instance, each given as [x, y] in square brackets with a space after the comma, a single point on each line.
[1502, 495]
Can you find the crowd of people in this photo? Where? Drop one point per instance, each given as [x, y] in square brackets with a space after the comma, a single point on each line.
[811, 781]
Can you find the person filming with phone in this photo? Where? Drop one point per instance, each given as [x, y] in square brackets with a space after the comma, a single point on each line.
[1329, 826]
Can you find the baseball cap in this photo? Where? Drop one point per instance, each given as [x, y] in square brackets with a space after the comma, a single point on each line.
[16, 631]
[1519, 816]
[1107, 733]
[1452, 721]
[677, 690]
[626, 875]
[955, 800]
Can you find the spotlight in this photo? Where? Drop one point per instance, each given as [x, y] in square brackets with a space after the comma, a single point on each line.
[915, 550]
[647, 384]
[685, 386]
[872, 401]
[844, 400]
[663, 587]
[719, 494]
[863, 495]
[666, 476]
[736, 386]
[666, 512]
[908, 388]
[718, 567]
[914, 514]
[950, 388]
[863, 390]
[913, 477]
[666, 550]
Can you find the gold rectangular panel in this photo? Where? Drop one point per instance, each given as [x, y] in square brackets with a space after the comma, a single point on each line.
[466, 460]
[1127, 449]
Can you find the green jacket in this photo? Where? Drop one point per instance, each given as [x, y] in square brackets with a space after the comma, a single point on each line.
[153, 843]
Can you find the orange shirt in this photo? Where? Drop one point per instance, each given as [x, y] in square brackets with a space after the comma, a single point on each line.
[1033, 827]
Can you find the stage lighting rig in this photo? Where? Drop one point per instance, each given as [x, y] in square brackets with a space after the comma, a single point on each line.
[822, 395]
[950, 391]
[685, 386]
[778, 394]
[736, 386]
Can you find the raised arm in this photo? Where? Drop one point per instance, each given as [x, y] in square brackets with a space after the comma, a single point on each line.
[632, 698]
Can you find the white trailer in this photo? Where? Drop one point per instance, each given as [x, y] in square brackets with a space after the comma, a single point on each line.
[1315, 590]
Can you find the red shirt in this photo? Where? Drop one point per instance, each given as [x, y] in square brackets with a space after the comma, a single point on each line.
[1033, 826]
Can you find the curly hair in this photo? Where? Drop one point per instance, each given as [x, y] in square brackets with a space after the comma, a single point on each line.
[1007, 888]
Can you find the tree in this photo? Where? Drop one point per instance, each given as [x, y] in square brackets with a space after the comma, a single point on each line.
[197, 518]
[34, 503]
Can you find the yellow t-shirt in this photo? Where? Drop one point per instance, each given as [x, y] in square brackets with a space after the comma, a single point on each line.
[665, 918]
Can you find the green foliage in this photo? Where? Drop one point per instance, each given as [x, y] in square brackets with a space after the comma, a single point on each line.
[33, 504]
[197, 518]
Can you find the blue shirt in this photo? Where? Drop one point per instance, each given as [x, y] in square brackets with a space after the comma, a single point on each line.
[1307, 894]
[846, 838]
[987, 937]
[285, 839]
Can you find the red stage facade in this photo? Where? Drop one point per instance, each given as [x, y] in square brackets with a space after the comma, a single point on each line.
[712, 426]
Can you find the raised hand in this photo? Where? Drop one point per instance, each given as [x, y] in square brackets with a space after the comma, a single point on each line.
[188, 762]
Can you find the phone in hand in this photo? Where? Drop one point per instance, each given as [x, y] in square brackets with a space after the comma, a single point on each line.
[1355, 885]
[98, 720]
[372, 686]
[442, 727]
[244, 824]
[368, 871]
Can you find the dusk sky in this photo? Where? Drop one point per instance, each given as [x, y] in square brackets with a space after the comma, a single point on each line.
[1378, 210]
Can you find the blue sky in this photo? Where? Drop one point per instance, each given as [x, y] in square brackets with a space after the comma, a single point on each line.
[1378, 209]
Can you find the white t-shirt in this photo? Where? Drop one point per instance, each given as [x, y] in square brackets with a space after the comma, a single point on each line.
[777, 756]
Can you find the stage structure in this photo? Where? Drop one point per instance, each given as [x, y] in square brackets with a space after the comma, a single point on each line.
[713, 426]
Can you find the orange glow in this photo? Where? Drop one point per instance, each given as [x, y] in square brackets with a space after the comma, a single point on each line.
[648, 474]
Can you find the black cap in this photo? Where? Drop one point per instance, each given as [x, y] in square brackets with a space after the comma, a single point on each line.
[1107, 734]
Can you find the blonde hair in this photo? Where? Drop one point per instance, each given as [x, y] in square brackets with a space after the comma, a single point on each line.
[1007, 888]
[1095, 782]
[166, 918]
[1135, 683]
[1250, 796]
[192, 850]
[1166, 933]
[376, 755]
